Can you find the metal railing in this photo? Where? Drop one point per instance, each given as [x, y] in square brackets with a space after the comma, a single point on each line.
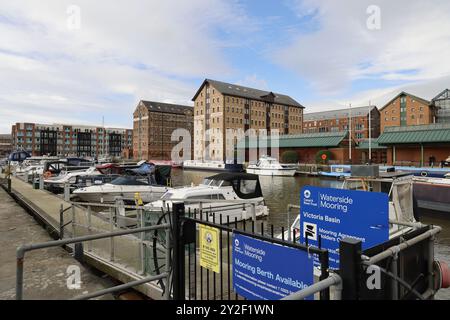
[334, 280]
[205, 284]
[20, 259]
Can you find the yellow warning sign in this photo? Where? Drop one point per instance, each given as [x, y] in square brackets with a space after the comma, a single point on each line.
[209, 248]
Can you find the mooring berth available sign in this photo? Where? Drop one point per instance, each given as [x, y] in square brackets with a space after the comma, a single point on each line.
[335, 214]
[267, 271]
[209, 248]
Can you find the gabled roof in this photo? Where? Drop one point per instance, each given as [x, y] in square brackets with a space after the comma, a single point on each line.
[249, 93]
[338, 114]
[403, 93]
[166, 107]
[304, 140]
[364, 144]
[431, 133]
[445, 94]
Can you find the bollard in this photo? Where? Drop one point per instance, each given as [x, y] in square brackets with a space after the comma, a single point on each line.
[78, 252]
[89, 216]
[41, 182]
[66, 192]
[9, 184]
[142, 239]
[111, 240]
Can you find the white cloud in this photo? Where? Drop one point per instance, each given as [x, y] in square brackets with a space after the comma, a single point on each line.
[412, 44]
[253, 81]
[124, 51]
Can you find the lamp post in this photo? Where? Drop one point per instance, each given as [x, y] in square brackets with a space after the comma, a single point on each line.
[370, 134]
[350, 133]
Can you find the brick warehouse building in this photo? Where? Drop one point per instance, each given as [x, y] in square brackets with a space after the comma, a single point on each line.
[220, 107]
[6, 145]
[406, 110]
[154, 123]
[338, 120]
[72, 140]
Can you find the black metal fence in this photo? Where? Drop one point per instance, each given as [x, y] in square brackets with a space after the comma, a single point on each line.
[194, 282]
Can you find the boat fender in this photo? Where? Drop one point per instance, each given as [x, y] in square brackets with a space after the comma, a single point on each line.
[424, 174]
[442, 272]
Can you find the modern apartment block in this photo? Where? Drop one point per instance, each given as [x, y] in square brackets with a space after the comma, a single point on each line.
[221, 107]
[406, 110]
[153, 126]
[441, 105]
[5, 145]
[339, 120]
[72, 140]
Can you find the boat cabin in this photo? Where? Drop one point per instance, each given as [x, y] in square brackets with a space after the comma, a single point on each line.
[245, 185]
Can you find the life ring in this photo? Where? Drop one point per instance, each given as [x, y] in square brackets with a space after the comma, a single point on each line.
[424, 173]
[47, 174]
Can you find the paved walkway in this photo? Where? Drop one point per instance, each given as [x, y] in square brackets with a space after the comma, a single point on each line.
[126, 266]
[45, 275]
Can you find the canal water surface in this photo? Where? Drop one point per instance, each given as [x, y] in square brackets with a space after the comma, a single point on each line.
[280, 191]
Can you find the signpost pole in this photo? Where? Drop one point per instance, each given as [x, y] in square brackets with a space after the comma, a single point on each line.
[349, 267]
[178, 252]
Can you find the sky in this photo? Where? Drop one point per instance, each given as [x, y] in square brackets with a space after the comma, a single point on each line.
[84, 61]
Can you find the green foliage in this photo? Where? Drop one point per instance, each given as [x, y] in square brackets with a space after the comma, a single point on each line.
[323, 156]
[289, 157]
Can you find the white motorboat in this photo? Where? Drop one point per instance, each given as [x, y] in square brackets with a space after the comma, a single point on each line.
[268, 166]
[125, 187]
[70, 177]
[204, 165]
[230, 195]
[32, 165]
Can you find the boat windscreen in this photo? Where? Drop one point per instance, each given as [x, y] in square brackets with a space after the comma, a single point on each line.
[247, 189]
[167, 196]
[206, 182]
[129, 181]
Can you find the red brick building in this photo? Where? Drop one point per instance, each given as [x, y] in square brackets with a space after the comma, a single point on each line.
[406, 110]
[5, 145]
[339, 120]
[154, 123]
[71, 140]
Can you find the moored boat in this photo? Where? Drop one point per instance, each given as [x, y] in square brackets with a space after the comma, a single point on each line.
[232, 196]
[432, 194]
[268, 166]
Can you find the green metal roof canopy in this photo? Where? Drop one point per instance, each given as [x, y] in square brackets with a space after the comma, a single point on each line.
[305, 140]
[432, 133]
[364, 144]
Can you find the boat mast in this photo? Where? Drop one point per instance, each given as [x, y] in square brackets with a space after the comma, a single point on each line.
[350, 133]
[370, 134]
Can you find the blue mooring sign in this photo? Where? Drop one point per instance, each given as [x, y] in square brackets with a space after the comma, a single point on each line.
[334, 214]
[267, 271]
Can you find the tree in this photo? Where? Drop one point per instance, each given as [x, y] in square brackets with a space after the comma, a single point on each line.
[289, 157]
[323, 156]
